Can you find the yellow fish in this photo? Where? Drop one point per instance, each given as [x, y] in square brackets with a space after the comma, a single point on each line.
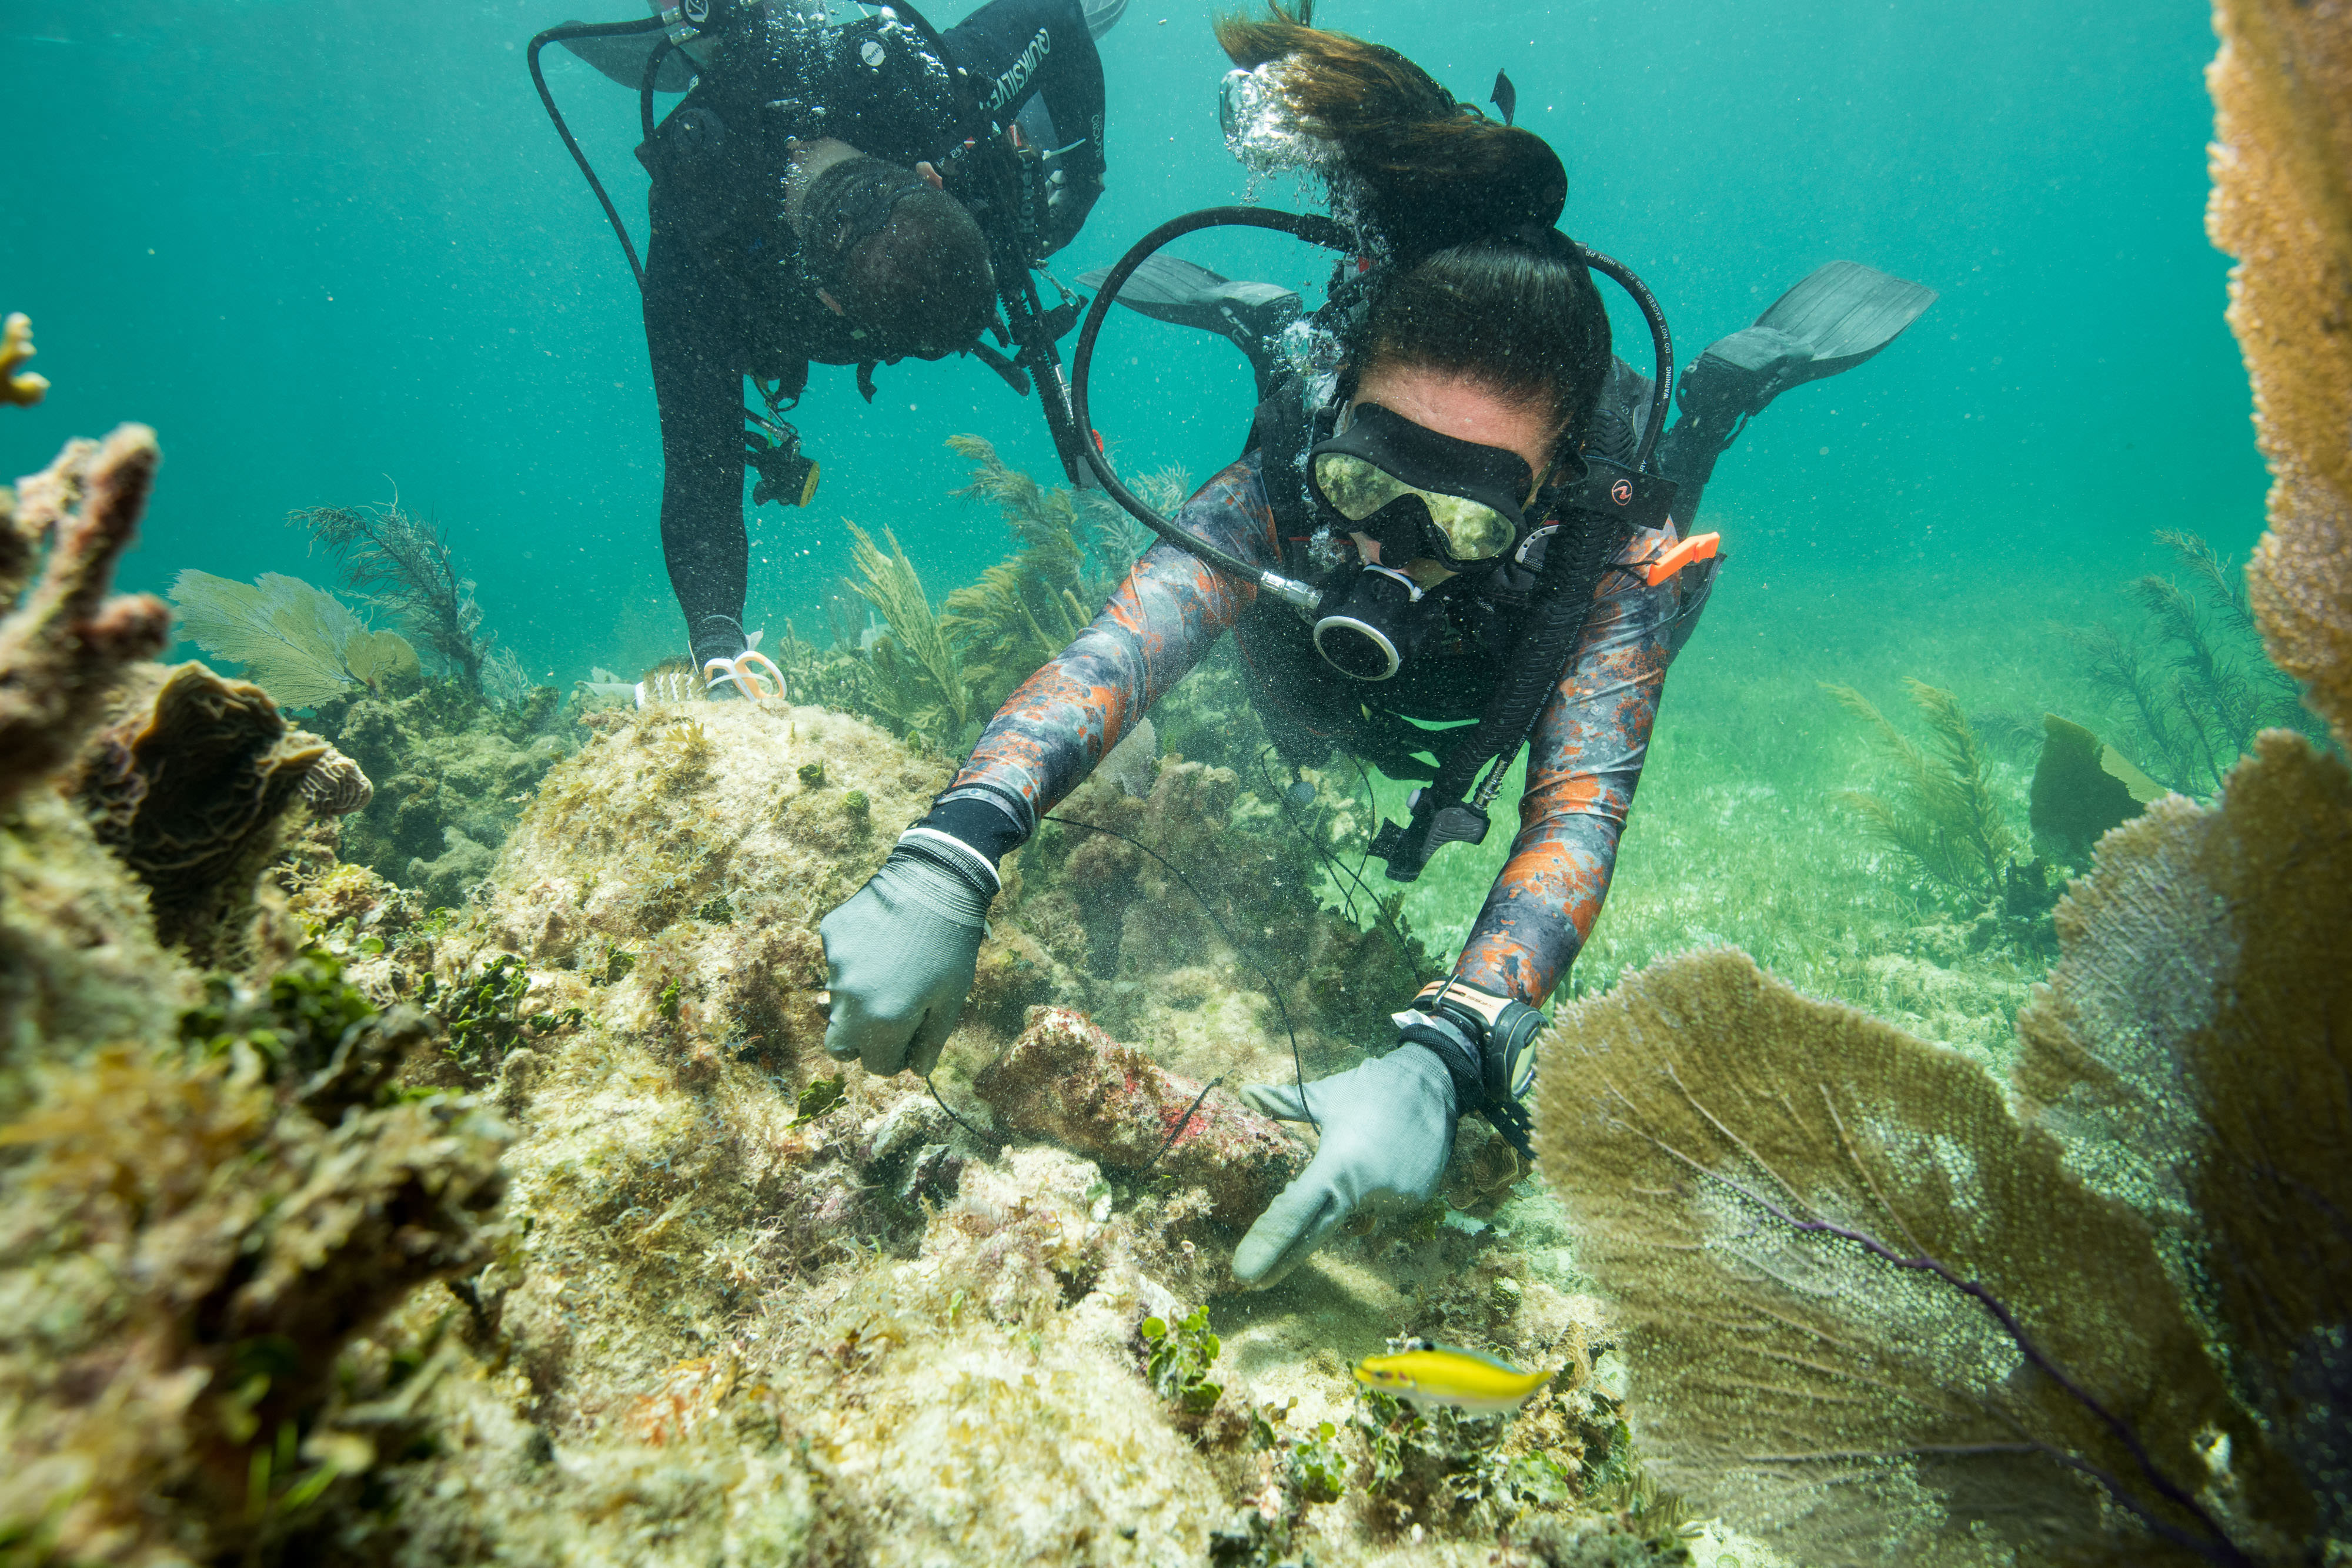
[1427, 1373]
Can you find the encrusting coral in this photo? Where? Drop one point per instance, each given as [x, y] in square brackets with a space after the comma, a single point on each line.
[2282, 166]
[192, 785]
[64, 647]
[206, 1191]
[451, 772]
[192, 1235]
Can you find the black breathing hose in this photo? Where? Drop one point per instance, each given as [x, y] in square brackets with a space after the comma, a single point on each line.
[1333, 235]
[1661, 346]
[662, 51]
[539, 80]
[1305, 226]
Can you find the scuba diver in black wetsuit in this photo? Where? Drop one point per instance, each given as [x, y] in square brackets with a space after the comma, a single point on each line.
[848, 196]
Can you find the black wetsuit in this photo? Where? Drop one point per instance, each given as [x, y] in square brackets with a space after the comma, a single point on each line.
[725, 295]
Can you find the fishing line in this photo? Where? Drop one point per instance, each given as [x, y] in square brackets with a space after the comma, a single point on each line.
[959, 1121]
[1297, 1068]
[1178, 1127]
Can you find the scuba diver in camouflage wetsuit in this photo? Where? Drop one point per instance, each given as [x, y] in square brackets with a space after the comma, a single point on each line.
[1485, 540]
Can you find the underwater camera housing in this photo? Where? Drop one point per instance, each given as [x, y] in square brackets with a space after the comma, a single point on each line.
[772, 450]
[1599, 506]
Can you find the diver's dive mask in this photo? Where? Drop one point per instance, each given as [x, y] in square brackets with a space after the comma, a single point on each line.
[1419, 493]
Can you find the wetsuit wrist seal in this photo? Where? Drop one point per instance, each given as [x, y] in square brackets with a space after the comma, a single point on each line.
[1488, 1044]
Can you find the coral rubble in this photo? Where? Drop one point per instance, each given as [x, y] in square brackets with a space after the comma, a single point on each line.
[1064, 1082]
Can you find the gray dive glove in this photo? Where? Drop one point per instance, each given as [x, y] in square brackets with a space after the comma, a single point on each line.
[900, 955]
[1388, 1124]
[1387, 1131]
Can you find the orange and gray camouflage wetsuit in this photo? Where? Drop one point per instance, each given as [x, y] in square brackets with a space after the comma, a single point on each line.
[1587, 756]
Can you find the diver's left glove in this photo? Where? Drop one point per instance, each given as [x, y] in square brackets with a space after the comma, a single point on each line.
[901, 953]
[1387, 1131]
[1388, 1124]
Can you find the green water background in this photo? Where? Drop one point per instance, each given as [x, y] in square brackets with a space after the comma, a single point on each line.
[329, 247]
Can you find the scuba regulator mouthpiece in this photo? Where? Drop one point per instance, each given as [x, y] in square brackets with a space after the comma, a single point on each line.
[1374, 621]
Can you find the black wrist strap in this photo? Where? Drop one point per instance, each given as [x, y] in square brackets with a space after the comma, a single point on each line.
[964, 866]
[1482, 1039]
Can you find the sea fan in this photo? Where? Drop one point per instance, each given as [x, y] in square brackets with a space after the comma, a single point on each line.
[1879, 1310]
[291, 637]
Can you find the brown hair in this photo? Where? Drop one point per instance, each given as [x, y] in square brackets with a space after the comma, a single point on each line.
[1526, 320]
[1432, 171]
[1477, 282]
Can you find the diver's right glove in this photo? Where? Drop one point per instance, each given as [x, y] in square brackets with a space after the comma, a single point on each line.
[901, 953]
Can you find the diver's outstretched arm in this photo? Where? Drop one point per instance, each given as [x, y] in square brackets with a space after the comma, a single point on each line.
[701, 401]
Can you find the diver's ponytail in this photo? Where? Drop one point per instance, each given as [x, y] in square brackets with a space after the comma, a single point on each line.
[1427, 172]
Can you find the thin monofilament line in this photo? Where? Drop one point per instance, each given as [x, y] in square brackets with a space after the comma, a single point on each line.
[959, 1121]
[1297, 1068]
[1332, 864]
[1173, 1132]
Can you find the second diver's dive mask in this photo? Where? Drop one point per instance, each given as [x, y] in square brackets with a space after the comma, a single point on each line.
[1417, 493]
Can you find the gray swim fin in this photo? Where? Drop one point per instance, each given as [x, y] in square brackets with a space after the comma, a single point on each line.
[1841, 315]
[1838, 317]
[1167, 288]
[622, 56]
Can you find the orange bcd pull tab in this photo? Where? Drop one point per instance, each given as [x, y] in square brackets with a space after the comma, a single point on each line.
[1698, 547]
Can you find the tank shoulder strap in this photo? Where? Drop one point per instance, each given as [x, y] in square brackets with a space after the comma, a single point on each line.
[1281, 429]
